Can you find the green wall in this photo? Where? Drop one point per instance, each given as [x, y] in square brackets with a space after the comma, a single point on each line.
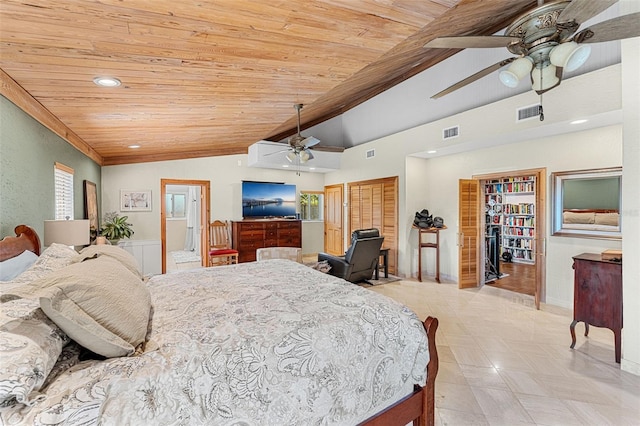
[596, 193]
[28, 151]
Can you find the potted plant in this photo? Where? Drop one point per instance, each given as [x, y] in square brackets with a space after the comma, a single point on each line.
[115, 227]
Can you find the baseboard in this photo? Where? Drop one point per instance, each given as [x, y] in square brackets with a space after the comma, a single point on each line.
[558, 302]
[630, 366]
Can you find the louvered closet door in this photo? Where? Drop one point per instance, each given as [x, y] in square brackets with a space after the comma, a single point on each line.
[374, 204]
[468, 233]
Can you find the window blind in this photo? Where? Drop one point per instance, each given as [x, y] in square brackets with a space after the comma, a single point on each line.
[63, 177]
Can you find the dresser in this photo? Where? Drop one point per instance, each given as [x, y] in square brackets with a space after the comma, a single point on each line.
[597, 296]
[249, 235]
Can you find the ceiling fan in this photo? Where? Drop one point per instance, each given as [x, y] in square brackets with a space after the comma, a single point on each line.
[545, 43]
[299, 150]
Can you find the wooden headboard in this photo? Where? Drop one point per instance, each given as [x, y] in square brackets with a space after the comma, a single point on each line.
[26, 239]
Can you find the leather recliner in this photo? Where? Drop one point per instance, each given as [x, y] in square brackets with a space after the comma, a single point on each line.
[360, 260]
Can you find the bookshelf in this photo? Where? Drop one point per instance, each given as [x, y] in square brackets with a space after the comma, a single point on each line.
[510, 206]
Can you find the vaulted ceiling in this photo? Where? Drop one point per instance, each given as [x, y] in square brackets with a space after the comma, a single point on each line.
[207, 78]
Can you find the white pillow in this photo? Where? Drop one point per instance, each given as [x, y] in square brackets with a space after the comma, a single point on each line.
[11, 268]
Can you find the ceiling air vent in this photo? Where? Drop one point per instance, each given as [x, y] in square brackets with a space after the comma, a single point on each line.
[370, 154]
[451, 132]
[527, 113]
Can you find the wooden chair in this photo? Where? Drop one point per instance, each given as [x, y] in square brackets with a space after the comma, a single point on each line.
[220, 251]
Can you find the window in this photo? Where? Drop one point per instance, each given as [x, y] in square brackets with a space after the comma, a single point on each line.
[63, 181]
[175, 205]
[311, 205]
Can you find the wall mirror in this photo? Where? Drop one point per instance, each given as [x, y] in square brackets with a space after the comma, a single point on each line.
[586, 203]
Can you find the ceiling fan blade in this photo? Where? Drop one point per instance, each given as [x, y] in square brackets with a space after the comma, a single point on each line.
[310, 141]
[619, 28]
[582, 10]
[474, 77]
[471, 42]
[325, 148]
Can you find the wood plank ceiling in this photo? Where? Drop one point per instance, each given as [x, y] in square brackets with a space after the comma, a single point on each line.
[207, 78]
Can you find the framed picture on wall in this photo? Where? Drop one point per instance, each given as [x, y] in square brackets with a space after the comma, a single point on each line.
[135, 201]
[91, 208]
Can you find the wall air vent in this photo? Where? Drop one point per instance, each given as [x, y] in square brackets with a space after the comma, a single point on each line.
[527, 113]
[451, 132]
[370, 154]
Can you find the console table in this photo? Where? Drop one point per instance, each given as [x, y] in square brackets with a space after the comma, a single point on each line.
[597, 296]
[249, 235]
[435, 245]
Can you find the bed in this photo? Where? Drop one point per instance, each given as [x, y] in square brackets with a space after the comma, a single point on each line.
[271, 342]
[591, 219]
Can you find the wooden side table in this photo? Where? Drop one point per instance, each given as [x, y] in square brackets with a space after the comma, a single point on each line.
[435, 245]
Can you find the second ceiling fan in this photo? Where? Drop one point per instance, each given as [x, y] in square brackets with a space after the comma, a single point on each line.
[299, 150]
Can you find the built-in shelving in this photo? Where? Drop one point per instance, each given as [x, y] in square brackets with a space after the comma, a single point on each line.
[510, 205]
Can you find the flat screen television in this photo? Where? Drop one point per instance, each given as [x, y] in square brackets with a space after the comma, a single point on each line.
[268, 199]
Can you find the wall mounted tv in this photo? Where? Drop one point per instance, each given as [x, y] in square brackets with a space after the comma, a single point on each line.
[268, 199]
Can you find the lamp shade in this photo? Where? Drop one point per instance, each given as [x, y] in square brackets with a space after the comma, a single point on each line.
[544, 78]
[516, 71]
[67, 232]
[570, 55]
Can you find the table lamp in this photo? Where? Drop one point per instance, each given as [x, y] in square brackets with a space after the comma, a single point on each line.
[67, 232]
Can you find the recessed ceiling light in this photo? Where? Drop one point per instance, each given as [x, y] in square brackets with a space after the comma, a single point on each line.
[285, 165]
[134, 146]
[578, 121]
[431, 152]
[107, 81]
[312, 168]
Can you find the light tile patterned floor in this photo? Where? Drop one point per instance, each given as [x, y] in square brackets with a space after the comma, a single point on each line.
[502, 362]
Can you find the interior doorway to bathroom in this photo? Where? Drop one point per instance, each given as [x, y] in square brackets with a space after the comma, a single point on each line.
[185, 224]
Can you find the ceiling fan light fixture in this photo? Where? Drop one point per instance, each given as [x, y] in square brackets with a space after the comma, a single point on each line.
[570, 55]
[516, 71]
[544, 78]
[291, 156]
[304, 156]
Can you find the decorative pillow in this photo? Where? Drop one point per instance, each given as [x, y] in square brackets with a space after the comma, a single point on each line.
[607, 219]
[578, 217]
[30, 344]
[99, 303]
[118, 253]
[11, 268]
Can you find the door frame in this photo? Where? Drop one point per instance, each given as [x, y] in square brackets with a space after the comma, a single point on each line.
[205, 196]
[540, 223]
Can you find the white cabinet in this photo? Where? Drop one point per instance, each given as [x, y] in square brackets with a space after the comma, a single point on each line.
[148, 253]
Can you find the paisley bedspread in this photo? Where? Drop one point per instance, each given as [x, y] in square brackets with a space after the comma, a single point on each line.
[262, 343]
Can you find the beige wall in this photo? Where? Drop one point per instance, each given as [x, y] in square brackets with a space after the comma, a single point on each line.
[225, 174]
[630, 198]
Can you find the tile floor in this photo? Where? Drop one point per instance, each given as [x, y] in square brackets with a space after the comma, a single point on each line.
[502, 362]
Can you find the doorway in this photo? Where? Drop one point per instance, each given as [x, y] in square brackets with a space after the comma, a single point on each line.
[511, 210]
[184, 223]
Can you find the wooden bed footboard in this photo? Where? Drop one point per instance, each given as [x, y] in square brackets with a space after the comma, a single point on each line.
[418, 407]
[26, 239]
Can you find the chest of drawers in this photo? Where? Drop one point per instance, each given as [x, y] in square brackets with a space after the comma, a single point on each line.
[597, 296]
[249, 235]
